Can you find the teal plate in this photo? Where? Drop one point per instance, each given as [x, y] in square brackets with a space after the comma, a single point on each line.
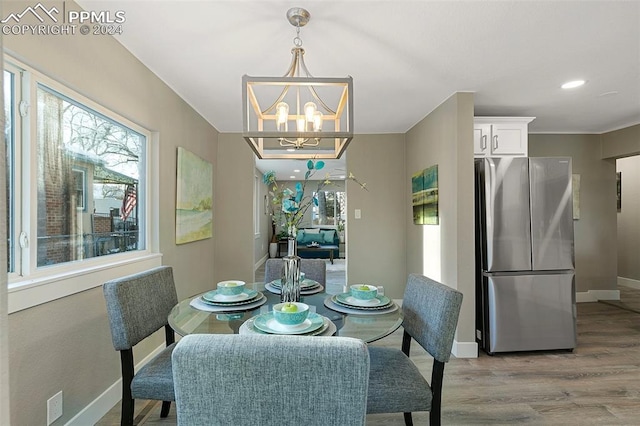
[268, 324]
[214, 296]
[252, 328]
[379, 302]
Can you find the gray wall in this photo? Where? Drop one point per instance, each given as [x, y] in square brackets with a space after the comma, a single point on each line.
[376, 251]
[621, 143]
[233, 211]
[66, 344]
[629, 219]
[445, 252]
[595, 231]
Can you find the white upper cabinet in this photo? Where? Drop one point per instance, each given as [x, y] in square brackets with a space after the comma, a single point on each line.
[501, 136]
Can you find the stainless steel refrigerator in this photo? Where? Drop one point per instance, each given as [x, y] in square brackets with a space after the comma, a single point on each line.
[525, 286]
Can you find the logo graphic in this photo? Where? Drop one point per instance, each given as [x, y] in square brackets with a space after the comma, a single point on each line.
[34, 11]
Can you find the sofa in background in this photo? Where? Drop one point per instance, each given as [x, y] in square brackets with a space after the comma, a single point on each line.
[322, 236]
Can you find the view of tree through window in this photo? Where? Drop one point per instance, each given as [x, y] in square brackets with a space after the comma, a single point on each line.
[331, 208]
[89, 181]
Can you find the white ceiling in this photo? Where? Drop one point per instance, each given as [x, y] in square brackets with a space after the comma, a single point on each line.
[406, 57]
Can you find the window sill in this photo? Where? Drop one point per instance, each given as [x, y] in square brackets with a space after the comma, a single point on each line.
[30, 292]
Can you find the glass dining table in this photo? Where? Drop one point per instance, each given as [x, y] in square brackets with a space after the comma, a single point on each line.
[185, 319]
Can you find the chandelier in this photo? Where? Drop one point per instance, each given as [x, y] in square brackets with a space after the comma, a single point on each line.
[297, 116]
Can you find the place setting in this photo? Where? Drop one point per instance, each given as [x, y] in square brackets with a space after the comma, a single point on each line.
[361, 299]
[290, 318]
[229, 296]
[307, 286]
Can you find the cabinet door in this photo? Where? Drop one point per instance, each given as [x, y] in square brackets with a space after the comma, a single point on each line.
[509, 139]
[481, 139]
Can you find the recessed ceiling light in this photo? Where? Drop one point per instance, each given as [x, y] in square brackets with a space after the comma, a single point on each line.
[292, 177]
[296, 171]
[291, 150]
[343, 177]
[573, 84]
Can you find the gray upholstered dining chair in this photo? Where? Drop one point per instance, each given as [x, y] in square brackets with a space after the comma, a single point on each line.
[230, 379]
[137, 306]
[314, 269]
[396, 385]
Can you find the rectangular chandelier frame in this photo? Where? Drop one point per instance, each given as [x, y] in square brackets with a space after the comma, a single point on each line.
[260, 130]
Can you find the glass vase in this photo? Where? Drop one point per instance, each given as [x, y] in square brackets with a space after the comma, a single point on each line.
[290, 274]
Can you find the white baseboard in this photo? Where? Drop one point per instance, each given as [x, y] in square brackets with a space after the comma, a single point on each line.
[595, 295]
[100, 406]
[260, 262]
[629, 282]
[465, 349]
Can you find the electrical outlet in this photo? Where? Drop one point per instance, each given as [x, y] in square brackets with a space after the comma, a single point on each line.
[54, 408]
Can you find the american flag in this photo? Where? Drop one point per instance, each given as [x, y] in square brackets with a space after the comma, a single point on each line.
[129, 201]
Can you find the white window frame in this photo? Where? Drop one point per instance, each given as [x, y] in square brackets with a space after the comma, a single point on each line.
[17, 167]
[256, 206]
[30, 286]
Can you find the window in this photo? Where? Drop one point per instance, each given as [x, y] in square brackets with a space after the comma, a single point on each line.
[256, 206]
[9, 137]
[76, 181]
[78, 146]
[331, 209]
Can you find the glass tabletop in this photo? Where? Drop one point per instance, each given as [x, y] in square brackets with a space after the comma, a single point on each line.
[185, 319]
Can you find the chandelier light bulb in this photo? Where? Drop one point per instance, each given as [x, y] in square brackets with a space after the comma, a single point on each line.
[309, 111]
[301, 124]
[317, 121]
[282, 115]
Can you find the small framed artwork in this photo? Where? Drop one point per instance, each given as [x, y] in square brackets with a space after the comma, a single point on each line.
[424, 189]
[194, 195]
[619, 190]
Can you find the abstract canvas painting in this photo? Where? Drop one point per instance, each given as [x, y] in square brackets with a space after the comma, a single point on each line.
[194, 195]
[424, 188]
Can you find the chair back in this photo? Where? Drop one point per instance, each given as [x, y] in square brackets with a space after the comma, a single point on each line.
[267, 380]
[139, 304]
[431, 314]
[272, 270]
[314, 269]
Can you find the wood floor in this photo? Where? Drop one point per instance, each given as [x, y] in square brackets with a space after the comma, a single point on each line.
[596, 384]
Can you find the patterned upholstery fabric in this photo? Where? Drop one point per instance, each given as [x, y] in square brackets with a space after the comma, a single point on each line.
[155, 379]
[430, 317]
[315, 269]
[270, 380]
[139, 304]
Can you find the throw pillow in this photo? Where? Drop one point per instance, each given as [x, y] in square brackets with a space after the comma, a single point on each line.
[300, 236]
[312, 231]
[328, 236]
[310, 238]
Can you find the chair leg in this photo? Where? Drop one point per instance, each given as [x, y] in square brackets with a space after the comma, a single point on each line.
[126, 417]
[437, 374]
[408, 420]
[128, 404]
[166, 406]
